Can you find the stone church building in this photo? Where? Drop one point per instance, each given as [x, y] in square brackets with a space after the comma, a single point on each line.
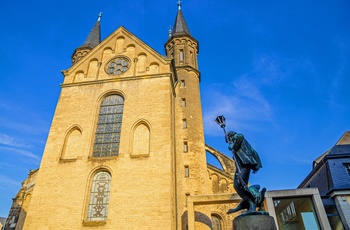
[126, 145]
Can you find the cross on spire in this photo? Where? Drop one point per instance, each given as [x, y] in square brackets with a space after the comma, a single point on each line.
[179, 4]
[99, 16]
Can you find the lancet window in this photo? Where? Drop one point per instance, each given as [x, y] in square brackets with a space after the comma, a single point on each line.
[99, 197]
[109, 125]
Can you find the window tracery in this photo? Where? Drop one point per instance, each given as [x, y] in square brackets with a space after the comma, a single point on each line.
[107, 137]
[99, 197]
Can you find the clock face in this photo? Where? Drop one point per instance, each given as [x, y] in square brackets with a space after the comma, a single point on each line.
[117, 66]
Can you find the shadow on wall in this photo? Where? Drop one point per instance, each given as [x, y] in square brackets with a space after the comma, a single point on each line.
[198, 217]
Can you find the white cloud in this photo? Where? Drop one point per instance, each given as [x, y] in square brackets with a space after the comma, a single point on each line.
[11, 141]
[243, 105]
[8, 181]
[21, 119]
[21, 152]
[301, 160]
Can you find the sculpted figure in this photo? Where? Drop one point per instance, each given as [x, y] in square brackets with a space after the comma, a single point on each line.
[247, 160]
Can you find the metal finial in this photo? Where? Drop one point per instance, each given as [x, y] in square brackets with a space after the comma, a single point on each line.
[170, 30]
[99, 16]
[179, 4]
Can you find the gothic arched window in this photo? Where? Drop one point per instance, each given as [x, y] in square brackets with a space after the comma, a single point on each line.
[109, 125]
[99, 197]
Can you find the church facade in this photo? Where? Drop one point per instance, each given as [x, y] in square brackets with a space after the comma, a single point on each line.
[126, 145]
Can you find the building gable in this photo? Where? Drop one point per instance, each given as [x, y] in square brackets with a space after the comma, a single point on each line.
[120, 56]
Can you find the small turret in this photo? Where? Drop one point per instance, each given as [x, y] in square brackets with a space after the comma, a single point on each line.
[93, 39]
[181, 45]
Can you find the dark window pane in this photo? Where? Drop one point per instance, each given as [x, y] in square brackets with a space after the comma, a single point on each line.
[108, 129]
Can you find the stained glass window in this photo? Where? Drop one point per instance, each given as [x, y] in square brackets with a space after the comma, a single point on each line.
[109, 125]
[99, 197]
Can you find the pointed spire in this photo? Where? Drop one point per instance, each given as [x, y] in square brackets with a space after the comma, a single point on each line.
[94, 37]
[92, 40]
[180, 25]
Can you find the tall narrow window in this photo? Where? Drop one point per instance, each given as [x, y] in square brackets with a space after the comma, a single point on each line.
[181, 55]
[185, 146]
[182, 84]
[183, 102]
[187, 171]
[109, 125]
[184, 123]
[99, 197]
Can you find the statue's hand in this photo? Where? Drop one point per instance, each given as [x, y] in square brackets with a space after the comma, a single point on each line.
[230, 146]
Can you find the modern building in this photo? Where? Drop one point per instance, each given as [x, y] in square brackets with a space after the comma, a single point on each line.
[331, 175]
[295, 209]
[126, 145]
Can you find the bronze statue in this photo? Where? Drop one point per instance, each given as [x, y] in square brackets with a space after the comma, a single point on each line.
[246, 159]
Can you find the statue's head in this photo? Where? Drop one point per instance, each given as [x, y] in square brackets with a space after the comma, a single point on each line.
[230, 134]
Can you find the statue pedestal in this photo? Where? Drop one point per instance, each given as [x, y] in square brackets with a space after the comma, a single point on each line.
[254, 222]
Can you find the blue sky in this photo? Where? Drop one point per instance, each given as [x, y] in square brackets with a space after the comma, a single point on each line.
[278, 70]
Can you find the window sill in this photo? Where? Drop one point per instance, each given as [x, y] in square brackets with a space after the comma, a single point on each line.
[144, 155]
[94, 223]
[102, 158]
[68, 159]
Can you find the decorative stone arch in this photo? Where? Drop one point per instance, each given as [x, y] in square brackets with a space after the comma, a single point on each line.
[154, 68]
[141, 139]
[107, 54]
[93, 68]
[72, 144]
[79, 76]
[141, 62]
[223, 185]
[130, 49]
[119, 44]
[215, 182]
[107, 48]
[226, 163]
[97, 169]
[217, 221]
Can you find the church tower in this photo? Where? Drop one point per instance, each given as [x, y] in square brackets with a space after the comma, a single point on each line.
[126, 144]
[190, 146]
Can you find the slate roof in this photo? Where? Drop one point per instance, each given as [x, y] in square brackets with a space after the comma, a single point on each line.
[329, 173]
[94, 37]
[180, 25]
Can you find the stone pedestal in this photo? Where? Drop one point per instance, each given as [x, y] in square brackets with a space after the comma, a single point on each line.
[254, 222]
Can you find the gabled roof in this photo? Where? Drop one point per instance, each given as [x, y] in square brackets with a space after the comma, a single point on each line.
[109, 42]
[330, 167]
[343, 140]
